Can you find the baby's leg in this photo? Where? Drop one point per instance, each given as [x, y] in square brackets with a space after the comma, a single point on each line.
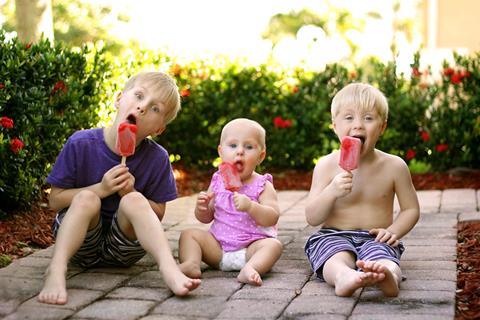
[390, 283]
[195, 245]
[83, 214]
[261, 256]
[137, 218]
[339, 271]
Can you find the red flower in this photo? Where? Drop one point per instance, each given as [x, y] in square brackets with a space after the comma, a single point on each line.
[456, 78]
[416, 72]
[295, 89]
[6, 122]
[425, 136]
[410, 154]
[441, 147]
[60, 85]
[28, 45]
[465, 74]
[278, 122]
[16, 145]
[2, 85]
[185, 93]
[448, 72]
[287, 123]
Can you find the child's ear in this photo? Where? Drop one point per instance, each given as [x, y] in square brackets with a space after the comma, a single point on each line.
[118, 95]
[384, 126]
[262, 156]
[334, 125]
[219, 150]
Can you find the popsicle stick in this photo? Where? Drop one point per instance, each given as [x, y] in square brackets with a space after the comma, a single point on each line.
[124, 160]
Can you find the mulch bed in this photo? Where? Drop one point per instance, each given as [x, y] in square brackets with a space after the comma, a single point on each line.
[24, 232]
[468, 271]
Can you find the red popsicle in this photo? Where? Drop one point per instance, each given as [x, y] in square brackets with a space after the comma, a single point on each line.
[350, 153]
[126, 140]
[230, 175]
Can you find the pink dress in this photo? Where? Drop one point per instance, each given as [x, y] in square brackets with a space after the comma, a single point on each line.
[234, 229]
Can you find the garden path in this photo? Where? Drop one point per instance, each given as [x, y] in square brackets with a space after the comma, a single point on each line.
[289, 290]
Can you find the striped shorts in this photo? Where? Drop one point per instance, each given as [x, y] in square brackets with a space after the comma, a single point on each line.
[327, 242]
[104, 246]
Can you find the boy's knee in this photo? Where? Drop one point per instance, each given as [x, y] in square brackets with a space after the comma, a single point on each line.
[132, 200]
[87, 199]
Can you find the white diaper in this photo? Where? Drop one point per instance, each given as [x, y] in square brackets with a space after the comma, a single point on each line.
[233, 260]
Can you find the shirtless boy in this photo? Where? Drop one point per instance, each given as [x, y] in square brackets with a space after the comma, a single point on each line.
[359, 244]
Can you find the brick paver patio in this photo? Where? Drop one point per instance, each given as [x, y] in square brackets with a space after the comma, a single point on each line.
[289, 290]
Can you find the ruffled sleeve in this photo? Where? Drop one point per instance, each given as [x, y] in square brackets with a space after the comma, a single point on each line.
[260, 183]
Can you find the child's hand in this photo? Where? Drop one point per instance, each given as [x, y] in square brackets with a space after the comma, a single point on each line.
[114, 179]
[203, 201]
[342, 184]
[242, 202]
[383, 235]
[129, 187]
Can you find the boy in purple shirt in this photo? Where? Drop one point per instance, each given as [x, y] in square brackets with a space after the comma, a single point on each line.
[108, 213]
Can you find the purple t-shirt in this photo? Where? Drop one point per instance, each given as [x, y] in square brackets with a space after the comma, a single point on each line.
[85, 158]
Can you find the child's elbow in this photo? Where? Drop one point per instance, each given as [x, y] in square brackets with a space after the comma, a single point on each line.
[268, 220]
[310, 221]
[309, 217]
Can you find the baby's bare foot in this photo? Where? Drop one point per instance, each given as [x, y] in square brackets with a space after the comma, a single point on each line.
[54, 290]
[346, 283]
[180, 284]
[389, 284]
[191, 269]
[250, 276]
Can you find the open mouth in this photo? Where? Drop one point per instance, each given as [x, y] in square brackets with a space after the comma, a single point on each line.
[131, 119]
[362, 138]
[239, 165]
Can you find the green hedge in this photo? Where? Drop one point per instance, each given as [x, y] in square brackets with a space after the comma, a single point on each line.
[46, 93]
[434, 118]
[51, 91]
[449, 135]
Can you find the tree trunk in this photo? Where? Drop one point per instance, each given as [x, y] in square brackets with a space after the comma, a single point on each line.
[34, 19]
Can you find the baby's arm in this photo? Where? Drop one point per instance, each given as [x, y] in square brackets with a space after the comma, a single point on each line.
[113, 180]
[265, 212]
[204, 209]
[325, 191]
[408, 201]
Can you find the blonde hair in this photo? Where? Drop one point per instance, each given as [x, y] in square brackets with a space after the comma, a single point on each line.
[261, 133]
[362, 96]
[164, 87]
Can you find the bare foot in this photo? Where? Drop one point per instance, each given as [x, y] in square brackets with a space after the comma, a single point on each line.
[180, 284]
[347, 282]
[54, 290]
[190, 269]
[250, 276]
[389, 284]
